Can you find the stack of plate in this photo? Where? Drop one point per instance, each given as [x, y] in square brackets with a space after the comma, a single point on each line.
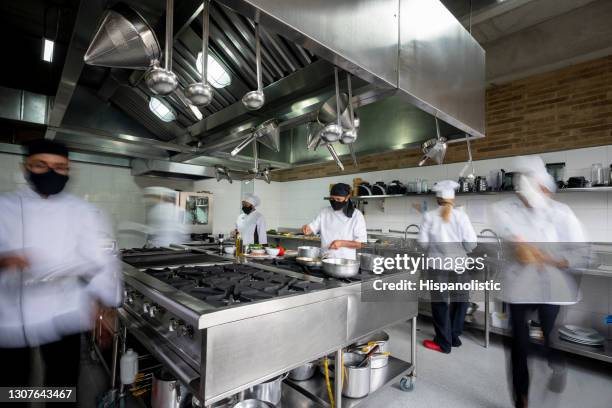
[581, 335]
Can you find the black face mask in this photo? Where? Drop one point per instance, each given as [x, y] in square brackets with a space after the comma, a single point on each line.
[337, 205]
[247, 210]
[48, 183]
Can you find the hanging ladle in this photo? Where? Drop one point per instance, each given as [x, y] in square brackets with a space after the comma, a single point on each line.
[255, 99]
[201, 93]
[162, 81]
[333, 132]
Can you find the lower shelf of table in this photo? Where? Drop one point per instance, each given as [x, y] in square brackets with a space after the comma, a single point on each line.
[315, 389]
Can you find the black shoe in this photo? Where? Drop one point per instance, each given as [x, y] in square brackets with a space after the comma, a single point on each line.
[457, 342]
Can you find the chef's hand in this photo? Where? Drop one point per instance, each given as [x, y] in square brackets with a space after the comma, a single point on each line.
[14, 261]
[306, 230]
[337, 244]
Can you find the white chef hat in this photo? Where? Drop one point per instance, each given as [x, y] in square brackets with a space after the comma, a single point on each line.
[252, 199]
[445, 188]
[534, 167]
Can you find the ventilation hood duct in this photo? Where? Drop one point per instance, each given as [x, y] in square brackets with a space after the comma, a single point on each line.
[167, 169]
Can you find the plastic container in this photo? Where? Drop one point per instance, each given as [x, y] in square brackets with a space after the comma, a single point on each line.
[128, 367]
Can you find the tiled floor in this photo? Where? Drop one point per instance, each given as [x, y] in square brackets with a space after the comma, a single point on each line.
[472, 377]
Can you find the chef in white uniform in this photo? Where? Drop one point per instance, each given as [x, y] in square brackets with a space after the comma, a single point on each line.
[165, 219]
[54, 272]
[251, 223]
[447, 232]
[545, 245]
[341, 225]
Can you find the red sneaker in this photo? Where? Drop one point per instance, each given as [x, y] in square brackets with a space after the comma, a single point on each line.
[430, 344]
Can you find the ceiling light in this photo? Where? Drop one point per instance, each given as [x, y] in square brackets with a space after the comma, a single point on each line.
[48, 46]
[217, 76]
[161, 109]
[196, 111]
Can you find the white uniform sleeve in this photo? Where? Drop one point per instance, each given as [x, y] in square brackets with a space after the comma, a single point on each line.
[261, 229]
[315, 225]
[360, 233]
[468, 237]
[106, 281]
[424, 230]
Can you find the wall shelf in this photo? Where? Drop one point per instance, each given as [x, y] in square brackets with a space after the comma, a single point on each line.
[563, 190]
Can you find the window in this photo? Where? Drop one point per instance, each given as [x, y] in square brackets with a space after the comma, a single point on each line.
[217, 75]
[161, 109]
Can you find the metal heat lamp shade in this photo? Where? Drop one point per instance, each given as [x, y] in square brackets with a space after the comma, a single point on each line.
[123, 40]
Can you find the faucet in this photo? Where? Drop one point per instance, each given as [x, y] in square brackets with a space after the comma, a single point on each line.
[493, 234]
[418, 229]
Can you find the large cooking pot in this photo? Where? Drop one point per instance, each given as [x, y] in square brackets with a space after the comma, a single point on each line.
[366, 261]
[308, 252]
[269, 391]
[303, 373]
[168, 392]
[356, 376]
[380, 338]
[340, 267]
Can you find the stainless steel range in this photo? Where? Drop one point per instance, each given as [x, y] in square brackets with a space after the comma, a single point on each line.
[222, 326]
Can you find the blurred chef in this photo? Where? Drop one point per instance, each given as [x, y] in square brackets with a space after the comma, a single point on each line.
[341, 225]
[54, 272]
[165, 219]
[447, 232]
[251, 223]
[546, 242]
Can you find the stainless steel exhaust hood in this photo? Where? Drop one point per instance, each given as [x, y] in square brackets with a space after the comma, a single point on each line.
[415, 47]
[167, 169]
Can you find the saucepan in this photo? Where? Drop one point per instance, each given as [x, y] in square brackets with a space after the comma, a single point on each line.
[308, 252]
[340, 267]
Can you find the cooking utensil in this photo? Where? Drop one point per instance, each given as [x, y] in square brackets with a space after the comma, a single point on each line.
[368, 355]
[162, 81]
[334, 155]
[269, 391]
[201, 93]
[469, 176]
[268, 134]
[597, 175]
[434, 149]
[310, 262]
[350, 135]
[222, 173]
[332, 132]
[314, 135]
[340, 267]
[167, 391]
[379, 360]
[356, 378]
[255, 99]
[308, 252]
[367, 261]
[303, 372]
[380, 338]
[124, 39]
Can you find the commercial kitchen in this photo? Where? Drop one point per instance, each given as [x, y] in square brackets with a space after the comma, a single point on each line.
[198, 197]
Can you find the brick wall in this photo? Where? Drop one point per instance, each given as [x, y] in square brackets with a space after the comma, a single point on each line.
[565, 109]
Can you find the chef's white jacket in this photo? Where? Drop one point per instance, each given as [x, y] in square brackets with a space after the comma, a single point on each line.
[335, 225]
[246, 224]
[61, 237]
[166, 223]
[555, 230]
[452, 239]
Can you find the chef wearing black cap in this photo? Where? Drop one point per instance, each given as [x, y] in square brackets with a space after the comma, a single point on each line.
[53, 270]
[341, 225]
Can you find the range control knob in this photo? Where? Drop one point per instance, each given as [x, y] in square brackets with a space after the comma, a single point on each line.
[173, 325]
[145, 307]
[153, 310]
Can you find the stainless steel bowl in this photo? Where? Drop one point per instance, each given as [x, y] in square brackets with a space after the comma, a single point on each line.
[340, 267]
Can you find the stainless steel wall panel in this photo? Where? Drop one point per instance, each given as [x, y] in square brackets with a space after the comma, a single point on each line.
[441, 66]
